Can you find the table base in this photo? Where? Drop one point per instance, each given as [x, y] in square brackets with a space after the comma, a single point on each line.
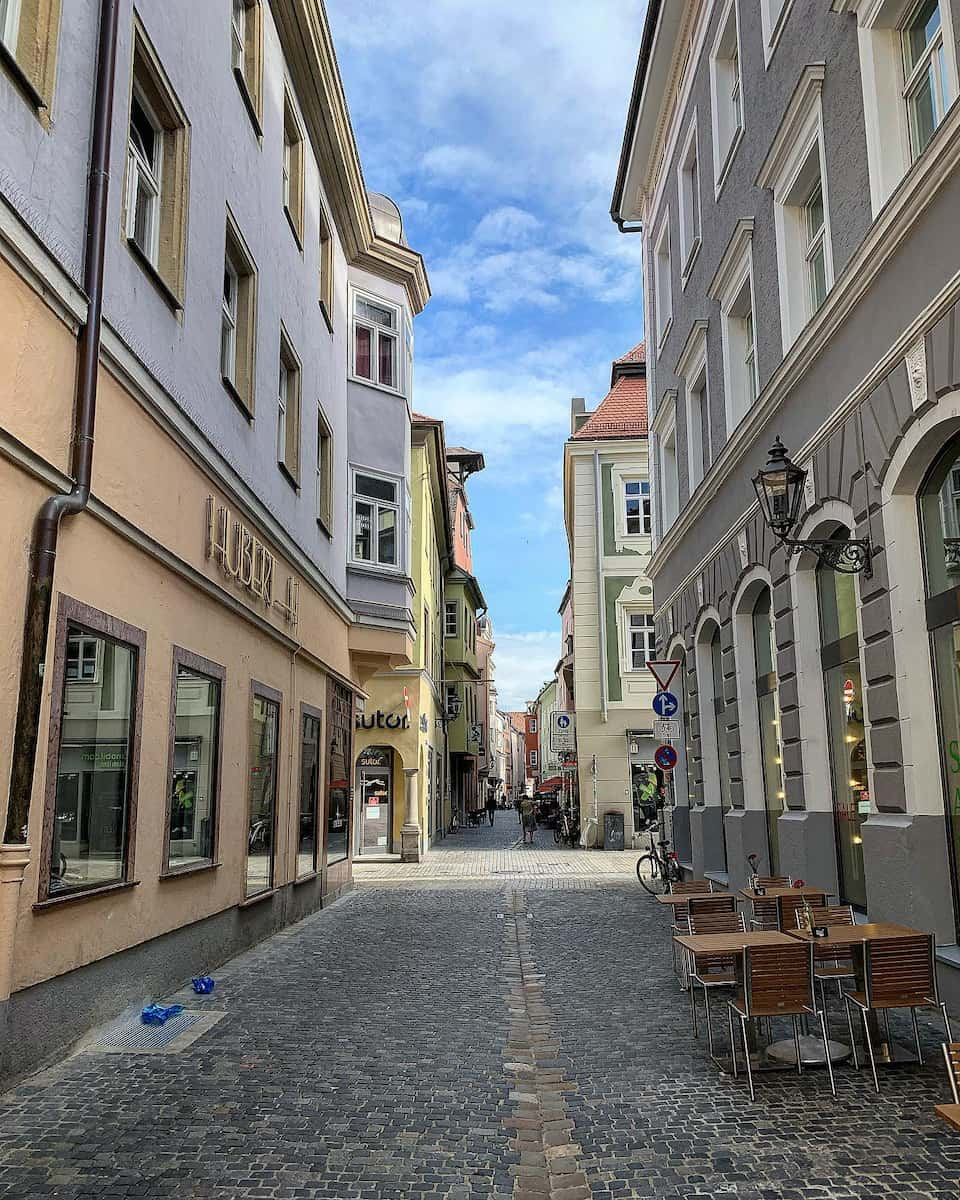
[811, 1052]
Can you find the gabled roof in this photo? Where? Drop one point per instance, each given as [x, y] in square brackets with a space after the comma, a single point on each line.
[637, 355]
[621, 414]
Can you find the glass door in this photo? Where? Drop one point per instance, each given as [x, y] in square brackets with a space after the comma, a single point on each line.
[376, 800]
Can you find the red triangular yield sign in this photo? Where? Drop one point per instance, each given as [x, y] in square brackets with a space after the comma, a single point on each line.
[663, 672]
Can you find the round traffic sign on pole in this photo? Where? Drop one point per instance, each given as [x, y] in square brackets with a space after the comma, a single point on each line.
[665, 704]
[665, 757]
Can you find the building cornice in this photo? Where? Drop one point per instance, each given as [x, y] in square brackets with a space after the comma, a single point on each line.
[728, 272]
[891, 227]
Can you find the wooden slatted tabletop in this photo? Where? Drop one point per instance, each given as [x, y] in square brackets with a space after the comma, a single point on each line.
[773, 892]
[844, 935]
[949, 1113]
[682, 898]
[729, 943]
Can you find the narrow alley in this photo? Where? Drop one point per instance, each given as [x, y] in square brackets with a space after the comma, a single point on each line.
[495, 1036]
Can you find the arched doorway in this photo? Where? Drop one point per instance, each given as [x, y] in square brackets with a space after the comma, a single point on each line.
[375, 793]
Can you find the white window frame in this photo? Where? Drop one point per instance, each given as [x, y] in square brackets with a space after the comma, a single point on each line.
[451, 608]
[283, 401]
[691, 369]
[324, 434]
[533, 727]
[731, 286]
[795, 163]
[774, 15]
[228, 324]
[395, 506]
[81, 641]
[10, 25]
[690, 198]
[396, 335]
[933, 58]
[635, 470]
[140, 172]
[534, 758]
[238, 35]
[664, 429]
[726, 81]
[647, 632]
[880, 24]
[663, 281]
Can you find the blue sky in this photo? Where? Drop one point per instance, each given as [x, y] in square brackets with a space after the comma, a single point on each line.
[497, 130]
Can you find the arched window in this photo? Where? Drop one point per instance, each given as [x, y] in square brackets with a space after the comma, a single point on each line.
[843, 687]
[720, 724]
[768, 711]
[940, 524]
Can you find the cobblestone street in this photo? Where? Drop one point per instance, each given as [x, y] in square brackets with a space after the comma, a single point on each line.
[490, 1037]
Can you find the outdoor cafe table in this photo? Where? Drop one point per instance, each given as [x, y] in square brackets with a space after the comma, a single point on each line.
[855, 937]
[781, 1054]
[677, 898]
[771, 893]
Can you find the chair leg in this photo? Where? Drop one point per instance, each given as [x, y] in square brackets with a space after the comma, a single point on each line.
[853, 1040]
[796, 1044]
[946, 1021]
[693, 1007]
[746, 1054]
[706, 1008]
[869, 1041]
[733, 1042]
[826, 1051]
[916, 1034]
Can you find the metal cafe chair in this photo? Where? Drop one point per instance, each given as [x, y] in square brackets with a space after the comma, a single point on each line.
[831, 962]
[691, 887]
[705, 904]
[790, 909]
[951, 1112]
[898, 972]
[765, 913]
[715, 971]
[777, 981]
[774, 881]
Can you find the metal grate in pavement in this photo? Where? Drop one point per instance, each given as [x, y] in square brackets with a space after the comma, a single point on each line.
[175, 1035]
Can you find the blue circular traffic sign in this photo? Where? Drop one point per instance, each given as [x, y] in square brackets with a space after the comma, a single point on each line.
[563, 721]
[665, 704]
[665, 757]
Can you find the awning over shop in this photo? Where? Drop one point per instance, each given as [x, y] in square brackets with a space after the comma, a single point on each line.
[553, 784]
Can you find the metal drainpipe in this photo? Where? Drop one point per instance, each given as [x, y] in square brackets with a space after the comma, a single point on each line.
[47, 526]
[601, 605]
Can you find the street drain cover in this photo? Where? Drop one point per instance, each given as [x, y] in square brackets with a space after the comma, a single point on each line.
[173, 1036]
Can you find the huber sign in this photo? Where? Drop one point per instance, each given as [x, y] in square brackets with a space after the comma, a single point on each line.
[245, 559]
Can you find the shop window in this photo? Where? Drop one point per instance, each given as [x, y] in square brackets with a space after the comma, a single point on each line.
[292, 168]
[246, 56]
[29, 33]
[720, 719]
[376, 520]
[843, 686]
[238, 319]
[309, 791]
[376, 334]
[194, 763]
[339, 759]
[768, 710]
[262, 790]
[940, 524]
[155, 216]
[288, 412]
[93, 767]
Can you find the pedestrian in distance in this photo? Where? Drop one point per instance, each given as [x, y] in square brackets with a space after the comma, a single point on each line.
[491, 808]
[528, 818]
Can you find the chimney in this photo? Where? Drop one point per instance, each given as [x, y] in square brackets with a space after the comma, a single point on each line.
[578, 413]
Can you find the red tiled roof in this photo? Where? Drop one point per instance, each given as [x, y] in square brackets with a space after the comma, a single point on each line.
[637, 355]
[622, 414]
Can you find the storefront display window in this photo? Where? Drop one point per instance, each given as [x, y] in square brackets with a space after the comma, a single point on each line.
[339, 758]
[768, 709]
[94, 771]
[840, 656]
[719, 716]
[262, 792]
[195, 771]
[375, 799]
[309, 792]
[940, 523]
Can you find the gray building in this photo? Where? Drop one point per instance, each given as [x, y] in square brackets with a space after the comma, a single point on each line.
[793, 167]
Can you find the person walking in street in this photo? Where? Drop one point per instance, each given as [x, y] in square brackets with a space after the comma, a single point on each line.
[491, 808]
[528, 819]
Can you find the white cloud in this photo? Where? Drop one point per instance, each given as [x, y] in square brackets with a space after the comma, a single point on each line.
[506, 225]
[525, 661]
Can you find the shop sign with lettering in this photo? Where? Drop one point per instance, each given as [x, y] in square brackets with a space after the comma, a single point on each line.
[244, 558]
[382, 720]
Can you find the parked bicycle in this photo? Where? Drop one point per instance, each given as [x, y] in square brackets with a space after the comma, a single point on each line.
[566, 830]
[658, 868]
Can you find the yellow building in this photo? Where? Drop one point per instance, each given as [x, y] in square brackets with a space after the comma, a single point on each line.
[402, 797]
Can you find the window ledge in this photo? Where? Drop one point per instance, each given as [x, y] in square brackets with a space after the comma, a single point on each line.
[192, 869]
[372, 383]
[289, 477]
[258, 898]
[665, 334]
[724, 173]
[365, 568]
[155, 277]
[86, 894]
[21, 79]
[248, 102]
[235, 396]
[306, 878]
[293, 228]
[324, 527]
[326, 314]
[691, 262]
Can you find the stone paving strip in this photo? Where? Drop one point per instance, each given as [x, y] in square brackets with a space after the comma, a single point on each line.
[499, 864]
[549, 1167]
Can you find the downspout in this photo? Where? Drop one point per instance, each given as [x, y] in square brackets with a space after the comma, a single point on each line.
[601, 605]
[47, 527]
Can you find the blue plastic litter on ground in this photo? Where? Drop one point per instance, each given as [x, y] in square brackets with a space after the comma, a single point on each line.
[156, 1014]
[203, 985]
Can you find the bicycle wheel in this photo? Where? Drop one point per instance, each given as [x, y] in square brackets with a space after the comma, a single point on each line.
[648, 872]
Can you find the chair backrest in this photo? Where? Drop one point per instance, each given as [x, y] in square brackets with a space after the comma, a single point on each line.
[714, 921]
[700, 904]
[775, 881]
[951, 1055]
[790, 908]
[766, 915]
[681, 919]
[835, 914]
[900, 972]
[778, 978]
[690, 887]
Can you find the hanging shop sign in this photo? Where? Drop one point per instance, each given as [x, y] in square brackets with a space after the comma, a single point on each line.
[243, 558]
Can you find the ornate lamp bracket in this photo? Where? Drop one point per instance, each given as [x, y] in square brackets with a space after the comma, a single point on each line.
[849, 556]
